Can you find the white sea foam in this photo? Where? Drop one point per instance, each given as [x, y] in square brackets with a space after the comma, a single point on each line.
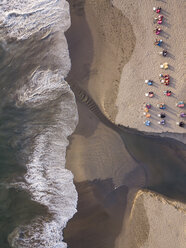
[46, 179]
[23, 18]
[43, 87]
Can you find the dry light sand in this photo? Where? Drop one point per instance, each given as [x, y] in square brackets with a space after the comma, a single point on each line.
[155, 222]
[145, 64]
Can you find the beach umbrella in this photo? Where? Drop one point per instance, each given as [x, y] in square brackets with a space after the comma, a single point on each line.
[164, 66]
[148, 105]
[180, 104]
[183, 115]
[147, 123]
[180, 124]
[161, 122]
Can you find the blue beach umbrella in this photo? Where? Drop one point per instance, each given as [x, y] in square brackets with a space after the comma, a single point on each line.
[147, 123]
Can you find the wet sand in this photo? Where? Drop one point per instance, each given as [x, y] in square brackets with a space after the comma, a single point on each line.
[100, 215]
[97, 155]
[91, 141]
[106, 175]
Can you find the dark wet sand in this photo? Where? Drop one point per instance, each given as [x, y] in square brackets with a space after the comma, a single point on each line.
[99, 160]
[100, 215]
[96, 156]
[105, 40]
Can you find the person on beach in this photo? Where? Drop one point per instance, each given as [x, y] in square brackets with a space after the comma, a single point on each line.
[158, 42]
[150, 94]
[162, 115]
[180, 124]
[146, 110]
[157, 31]
[148, 105]
[147, 123]
[183, 115]
[164, 75]
[168, 92]
[180, 104]
[161, 105]
[149, 82]
[157, 10]
[158, 19]
[164, 79]
[163, 53]
[165, 82]
[164, 66]
[147, 115]
[161, 122]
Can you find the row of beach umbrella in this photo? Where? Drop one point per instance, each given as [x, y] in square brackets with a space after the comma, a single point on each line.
[164, 78]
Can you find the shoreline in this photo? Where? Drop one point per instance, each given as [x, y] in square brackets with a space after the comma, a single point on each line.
[105, 173]
[96, 155]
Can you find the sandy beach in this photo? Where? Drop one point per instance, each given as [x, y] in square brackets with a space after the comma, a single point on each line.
[91, 138]
[125, 57]
[154, 221]
[106, 174]
[114, 42]
[145, 64]
[97, 156]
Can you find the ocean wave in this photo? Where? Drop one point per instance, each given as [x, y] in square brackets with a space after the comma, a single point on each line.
[47, 179]
[43, 86]
[22, 18]
[44, 93]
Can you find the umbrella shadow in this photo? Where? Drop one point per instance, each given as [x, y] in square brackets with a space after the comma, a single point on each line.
[173, 95]
[167, 124]
[171, 67]
[165, 45]
[166, 23]
[172, 80]
[162, 1]
[165, 34]
[153, 108]
[172, 84]
[171, 110]
[170, 55]
[168, 117]
[156, 96]
[155, 84]
[164, 12]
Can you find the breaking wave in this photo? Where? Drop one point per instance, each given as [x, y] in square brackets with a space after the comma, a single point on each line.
[23, 18]
[47, 179]
[53, 111]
